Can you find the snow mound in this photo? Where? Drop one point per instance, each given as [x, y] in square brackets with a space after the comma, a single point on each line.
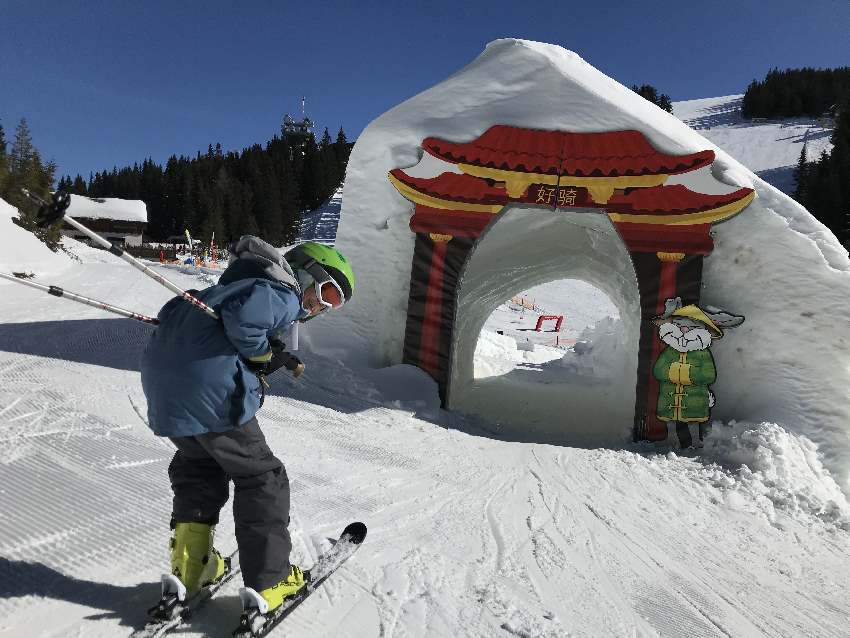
[779, 470]
[597, 349]
[495, 354]
[21, 251]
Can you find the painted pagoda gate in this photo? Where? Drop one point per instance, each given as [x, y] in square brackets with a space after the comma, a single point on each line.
[666, 229]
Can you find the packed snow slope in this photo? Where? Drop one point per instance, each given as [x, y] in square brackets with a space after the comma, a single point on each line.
[769, 148]
[469, 535]
[774, 263]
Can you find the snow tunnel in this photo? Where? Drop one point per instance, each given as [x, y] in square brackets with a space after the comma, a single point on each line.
[525, 167]
[521, 249]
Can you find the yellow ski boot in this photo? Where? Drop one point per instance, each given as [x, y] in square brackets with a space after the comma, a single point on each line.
[194, 560]
[289, 586]
[259, 607]
[195, 563]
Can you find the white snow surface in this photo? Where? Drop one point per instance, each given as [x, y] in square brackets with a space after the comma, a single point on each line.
[131, 210]
[789, 363]
[469, 534]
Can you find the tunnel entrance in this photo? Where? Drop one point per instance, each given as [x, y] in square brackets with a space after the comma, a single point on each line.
[584, 393]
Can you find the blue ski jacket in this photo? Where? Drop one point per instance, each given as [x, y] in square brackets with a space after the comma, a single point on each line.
[193, 371]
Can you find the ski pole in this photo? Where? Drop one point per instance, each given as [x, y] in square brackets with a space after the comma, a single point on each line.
[56, 291]
[50, 213]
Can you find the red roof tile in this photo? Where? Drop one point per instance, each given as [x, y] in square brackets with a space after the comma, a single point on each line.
[677, 199]
[609, 154]
[454, 187]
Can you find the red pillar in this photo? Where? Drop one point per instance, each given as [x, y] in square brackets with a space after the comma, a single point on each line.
[429, 346]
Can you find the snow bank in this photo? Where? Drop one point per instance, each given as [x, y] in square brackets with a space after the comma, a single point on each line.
[21, 251]
[597, 350]
[495, 354]
[779, 471]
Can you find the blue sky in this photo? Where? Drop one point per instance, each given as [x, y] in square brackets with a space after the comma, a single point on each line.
[111, 83]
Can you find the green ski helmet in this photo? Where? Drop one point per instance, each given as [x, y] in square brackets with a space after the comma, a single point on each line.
[309, 254]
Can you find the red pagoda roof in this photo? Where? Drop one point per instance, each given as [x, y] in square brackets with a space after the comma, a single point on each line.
[609, 154]
[661, 200]
[454, 187]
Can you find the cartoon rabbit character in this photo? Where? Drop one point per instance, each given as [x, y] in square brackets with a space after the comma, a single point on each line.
[685, 368]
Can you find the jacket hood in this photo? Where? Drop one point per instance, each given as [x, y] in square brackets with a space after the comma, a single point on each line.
[254, 258]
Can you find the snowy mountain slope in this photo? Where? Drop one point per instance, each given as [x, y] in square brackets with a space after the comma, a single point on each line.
[319, 225]
[469, 535]
[769, 148]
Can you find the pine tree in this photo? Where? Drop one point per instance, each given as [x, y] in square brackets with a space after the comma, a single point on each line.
[26, 170]
[4, 168]
[800, 174]
[79, 186]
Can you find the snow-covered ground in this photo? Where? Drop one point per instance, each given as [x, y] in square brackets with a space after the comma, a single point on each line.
[469, 535]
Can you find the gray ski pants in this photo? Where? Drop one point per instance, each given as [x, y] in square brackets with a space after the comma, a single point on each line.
[200, 475]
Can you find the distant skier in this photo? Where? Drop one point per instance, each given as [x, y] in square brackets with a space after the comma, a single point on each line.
[203, 380]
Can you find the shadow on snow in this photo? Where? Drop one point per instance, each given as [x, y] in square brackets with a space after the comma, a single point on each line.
[127, 603]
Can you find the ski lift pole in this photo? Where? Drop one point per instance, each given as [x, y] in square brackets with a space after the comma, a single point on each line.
[50, 213]
[56, 291]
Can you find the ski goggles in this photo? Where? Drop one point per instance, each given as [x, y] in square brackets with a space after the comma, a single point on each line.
[328, 292]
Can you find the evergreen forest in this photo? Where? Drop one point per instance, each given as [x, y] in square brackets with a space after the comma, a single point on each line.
[823, 185]
[260, 190]
[796, 93]
[650, 93]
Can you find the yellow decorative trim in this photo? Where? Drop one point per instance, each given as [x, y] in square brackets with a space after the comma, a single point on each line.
[600, 188]
[437, 237]
[433, 202]
[671, 257]
[688, 219]
[515, 183]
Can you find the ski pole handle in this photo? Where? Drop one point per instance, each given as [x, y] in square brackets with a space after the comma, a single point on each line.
[56, 291]
[50, 213]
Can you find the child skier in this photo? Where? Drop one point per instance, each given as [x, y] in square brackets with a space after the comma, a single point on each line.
[203, 382]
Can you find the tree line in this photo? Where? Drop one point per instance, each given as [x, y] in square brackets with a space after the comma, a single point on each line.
[649, 92]
[823, 185]
[796, 92]
[21, 167]
[260, 190]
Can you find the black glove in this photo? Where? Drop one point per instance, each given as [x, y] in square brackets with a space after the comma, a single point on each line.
[279, 355]
[280, 359]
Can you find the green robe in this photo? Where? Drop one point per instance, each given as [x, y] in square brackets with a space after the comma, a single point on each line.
[683, 379]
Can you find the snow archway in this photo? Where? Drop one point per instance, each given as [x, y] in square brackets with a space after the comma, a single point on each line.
[521, 249]
[773, 263]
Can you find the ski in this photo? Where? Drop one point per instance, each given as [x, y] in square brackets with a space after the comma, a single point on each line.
[179, 613]
[255, 624]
